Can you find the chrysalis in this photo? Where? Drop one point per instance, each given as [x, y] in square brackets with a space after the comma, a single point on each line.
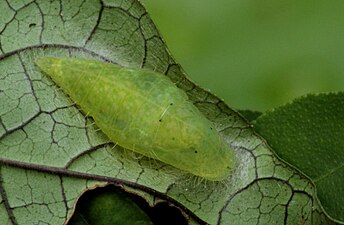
[145, 112]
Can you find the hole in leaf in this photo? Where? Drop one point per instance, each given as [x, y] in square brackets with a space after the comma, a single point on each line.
[113, 205]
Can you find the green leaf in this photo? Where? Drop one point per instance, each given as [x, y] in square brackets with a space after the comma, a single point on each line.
[50, 153]
[309, 134]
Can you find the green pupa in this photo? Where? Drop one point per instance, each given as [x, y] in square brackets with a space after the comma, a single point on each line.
[145, 112]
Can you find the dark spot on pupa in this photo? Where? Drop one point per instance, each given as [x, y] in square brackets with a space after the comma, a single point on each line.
[32, 25]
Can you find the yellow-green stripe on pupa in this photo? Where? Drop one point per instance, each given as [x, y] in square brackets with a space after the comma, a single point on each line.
[145, 112]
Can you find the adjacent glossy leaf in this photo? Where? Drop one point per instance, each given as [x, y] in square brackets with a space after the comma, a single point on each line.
[50, 153]
[309, 134]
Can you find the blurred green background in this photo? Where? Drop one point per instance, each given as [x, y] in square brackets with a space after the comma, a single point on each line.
[256, 54]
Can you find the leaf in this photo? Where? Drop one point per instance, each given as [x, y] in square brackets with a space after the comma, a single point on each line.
[50, 153]
[309, 134]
